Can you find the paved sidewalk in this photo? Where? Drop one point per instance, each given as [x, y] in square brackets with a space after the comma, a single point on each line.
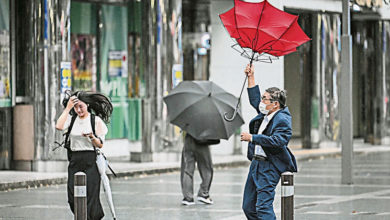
[20, 179]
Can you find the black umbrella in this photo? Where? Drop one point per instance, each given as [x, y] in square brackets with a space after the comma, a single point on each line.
[198, 107]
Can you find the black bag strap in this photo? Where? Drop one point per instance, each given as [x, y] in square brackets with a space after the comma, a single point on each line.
[63, 143]
[93, 127]
[93, 130]
[93, 124]
[70, 129]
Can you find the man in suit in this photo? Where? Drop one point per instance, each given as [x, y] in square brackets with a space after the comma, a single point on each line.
[270, 132]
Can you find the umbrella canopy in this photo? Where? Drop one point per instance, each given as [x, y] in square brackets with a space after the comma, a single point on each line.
[260, 29]
[262, 32]
[198, 107]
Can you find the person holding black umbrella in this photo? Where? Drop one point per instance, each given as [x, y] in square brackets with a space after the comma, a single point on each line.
[196, 151]
[270, 132]
[198, 108]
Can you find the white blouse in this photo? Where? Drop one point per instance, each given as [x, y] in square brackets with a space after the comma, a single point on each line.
[83, 126]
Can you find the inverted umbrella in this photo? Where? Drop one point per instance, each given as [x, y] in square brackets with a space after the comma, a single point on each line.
[262, 32]
[198, 107]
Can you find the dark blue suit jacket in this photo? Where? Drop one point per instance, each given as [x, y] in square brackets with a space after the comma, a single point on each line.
[275, 137]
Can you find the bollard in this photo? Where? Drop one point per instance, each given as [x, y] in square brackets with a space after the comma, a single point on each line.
[80, 196]
[287, 196]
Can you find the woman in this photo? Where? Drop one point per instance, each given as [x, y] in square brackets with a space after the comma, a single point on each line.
[83, 142]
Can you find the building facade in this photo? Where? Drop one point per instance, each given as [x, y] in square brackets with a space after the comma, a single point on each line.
[129, 50]
[136, 51]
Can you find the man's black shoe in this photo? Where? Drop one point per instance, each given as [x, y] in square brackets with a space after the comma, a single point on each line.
[187, 201]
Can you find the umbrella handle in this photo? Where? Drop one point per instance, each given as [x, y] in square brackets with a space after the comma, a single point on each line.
[239, 98]
[237, 106]
[232, 118]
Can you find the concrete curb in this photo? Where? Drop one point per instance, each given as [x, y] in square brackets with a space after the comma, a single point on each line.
[133, 173]
[32, 183]
[173, 169]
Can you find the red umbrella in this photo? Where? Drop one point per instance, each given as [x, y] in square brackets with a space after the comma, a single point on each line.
[260, 29]
[262, 32]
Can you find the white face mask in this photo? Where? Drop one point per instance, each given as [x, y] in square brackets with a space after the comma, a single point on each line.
[263, 108]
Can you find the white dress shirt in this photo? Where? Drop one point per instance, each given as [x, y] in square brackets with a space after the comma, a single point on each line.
[258, 149]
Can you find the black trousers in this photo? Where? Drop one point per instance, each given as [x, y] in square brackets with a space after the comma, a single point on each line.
[85, 161]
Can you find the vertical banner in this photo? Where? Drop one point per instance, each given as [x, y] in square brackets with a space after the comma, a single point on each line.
[66, 78]
[46, 20]
[177, 74]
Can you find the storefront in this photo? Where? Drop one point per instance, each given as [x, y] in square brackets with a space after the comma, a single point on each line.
[128, 50]
[316, 69]
[371, 78]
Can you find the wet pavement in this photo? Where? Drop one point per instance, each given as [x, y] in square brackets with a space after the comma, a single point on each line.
[318, 194]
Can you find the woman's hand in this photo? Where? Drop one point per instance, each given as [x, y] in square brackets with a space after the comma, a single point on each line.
[249, 70]
[73, 100]
[89, 135]
[245, 136]
[94, 140]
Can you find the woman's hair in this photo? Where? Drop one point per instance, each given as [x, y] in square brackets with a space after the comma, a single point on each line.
[278, 95]
[97, 103]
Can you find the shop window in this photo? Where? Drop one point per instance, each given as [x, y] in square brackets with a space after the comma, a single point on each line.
[330, 65]
[83, 61]
[136, 82]
[5, 88]
[106, 57]
[83, 46]
[113, 51]
[386, 49]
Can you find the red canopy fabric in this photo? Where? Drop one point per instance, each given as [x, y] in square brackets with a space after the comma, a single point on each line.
[263, 28]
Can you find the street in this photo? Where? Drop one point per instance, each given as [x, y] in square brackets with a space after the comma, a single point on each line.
[318, 195]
